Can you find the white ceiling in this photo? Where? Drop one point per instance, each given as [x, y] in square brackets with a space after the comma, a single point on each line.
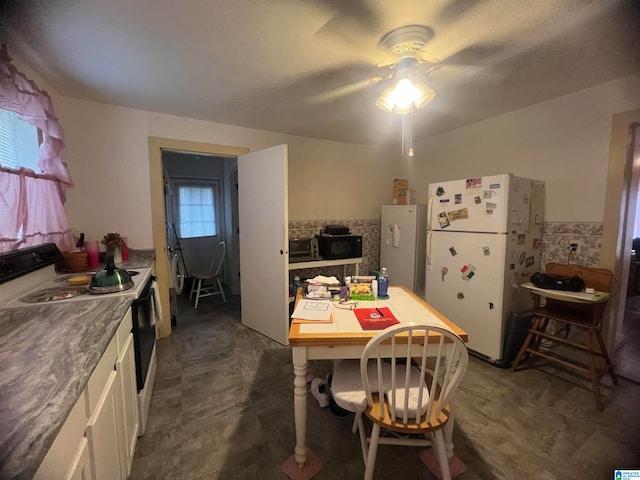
[285, 65]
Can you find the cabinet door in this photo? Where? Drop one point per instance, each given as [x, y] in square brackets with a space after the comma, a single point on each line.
[127, 407]
[103, 435]
[81, 466]
[64, 452]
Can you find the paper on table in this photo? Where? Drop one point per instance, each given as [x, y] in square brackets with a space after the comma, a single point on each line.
[306, 309]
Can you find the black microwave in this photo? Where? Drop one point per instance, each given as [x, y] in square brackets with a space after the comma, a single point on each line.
[334, 247]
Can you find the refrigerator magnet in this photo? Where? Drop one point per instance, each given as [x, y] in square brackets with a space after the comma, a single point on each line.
[474, 182]
[486, 251]
[521, 239]
[529, 261]
[477, 199]
[494, 185]
[452, 251]
[444, 271]
[521, 258]
[443, 220]
[461, 214]
[487, 194]
[440, 191]
[537, 243]
[458, 198]
[468, 271]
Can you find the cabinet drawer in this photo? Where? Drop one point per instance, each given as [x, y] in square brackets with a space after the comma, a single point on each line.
[124, 330]
[101, 374]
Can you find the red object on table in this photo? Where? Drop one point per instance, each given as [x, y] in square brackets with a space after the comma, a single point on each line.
[375, 318]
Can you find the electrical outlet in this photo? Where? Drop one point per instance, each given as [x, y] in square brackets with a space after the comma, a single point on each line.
[575, 246]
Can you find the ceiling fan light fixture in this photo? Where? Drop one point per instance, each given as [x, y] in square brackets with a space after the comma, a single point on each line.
[385, 101]
[425, 96]
[408, 93]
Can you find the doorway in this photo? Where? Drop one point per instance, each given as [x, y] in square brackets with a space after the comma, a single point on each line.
[156, 146]
[201, 178]
[627, 353]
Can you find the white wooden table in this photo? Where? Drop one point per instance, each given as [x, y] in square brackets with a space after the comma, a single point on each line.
[344, 338]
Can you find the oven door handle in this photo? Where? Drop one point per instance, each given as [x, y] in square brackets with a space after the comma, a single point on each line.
[144, 299]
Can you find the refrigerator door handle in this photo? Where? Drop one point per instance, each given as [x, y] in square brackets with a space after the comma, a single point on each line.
[429, 233]
[429, 211]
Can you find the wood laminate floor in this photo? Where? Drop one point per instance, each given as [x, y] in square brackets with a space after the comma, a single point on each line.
[222, 408]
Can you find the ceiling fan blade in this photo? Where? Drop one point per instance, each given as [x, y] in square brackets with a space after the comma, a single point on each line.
[339, 92]
[348, 36]
[522, 28]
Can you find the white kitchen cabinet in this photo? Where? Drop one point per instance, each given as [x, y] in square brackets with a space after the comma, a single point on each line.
[126, 409]
[98, 439]
[68, 454]
[102, 433]
[81, 465]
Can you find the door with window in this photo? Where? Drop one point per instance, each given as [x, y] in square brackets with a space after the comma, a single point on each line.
[197, 213]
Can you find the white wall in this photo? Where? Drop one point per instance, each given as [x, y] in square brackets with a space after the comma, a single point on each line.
[563, 141]
[107, 154]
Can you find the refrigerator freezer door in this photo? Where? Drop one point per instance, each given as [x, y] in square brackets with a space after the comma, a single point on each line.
[402, 245]
[465, 282]
[470, 205]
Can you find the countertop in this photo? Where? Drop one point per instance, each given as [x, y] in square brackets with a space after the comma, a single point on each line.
[47, 354]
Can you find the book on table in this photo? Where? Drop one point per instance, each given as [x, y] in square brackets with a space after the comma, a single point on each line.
[375, 318]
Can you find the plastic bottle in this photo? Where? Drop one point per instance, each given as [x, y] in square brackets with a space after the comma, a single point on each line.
[383, 283]
[296, 284]
[374, 288]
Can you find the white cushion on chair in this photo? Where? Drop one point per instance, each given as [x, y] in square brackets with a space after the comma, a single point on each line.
[346, 384]
[414, 391]
[348, 393]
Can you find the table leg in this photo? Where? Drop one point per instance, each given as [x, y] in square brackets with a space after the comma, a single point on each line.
[303, 464]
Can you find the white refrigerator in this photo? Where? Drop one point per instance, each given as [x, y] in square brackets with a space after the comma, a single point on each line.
[483, 240]
[403, 231]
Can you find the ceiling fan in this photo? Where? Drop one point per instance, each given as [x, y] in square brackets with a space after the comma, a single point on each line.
[400, 56]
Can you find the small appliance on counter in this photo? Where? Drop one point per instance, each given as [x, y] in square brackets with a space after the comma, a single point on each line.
[303, 250]
[336, 230]
[338, 246]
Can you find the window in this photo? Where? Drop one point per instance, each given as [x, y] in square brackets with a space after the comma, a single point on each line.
[32, 206]
[18, 142]
[197, 206]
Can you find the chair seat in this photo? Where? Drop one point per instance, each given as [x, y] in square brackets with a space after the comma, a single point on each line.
[205, 275]
[425, 425]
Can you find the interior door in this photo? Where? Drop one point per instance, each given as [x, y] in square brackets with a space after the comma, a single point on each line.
[264, 220]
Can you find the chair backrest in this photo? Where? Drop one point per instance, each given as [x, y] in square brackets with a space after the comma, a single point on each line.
[218, 258]
[600, 279]
[424, 389]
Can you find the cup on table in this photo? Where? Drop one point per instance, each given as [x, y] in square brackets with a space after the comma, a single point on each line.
[91, 247]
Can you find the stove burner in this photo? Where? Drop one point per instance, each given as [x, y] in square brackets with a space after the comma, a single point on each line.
[53, 294]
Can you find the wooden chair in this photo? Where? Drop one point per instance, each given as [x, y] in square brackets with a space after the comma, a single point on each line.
[586, 317]
[412, 402]
[209, 283]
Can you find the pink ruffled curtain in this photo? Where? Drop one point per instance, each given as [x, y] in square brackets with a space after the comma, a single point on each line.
[29, 202]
